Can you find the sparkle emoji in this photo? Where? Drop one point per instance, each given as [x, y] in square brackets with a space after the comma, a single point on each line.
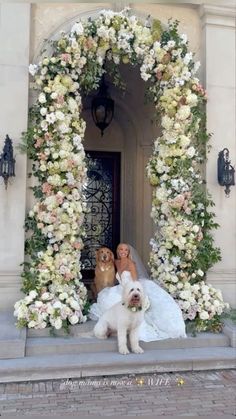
[180, 381]
[140, 381]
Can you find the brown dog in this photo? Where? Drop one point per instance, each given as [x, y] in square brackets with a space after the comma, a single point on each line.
[104, 271]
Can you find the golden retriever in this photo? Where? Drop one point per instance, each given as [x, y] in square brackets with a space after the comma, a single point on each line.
[104, 270]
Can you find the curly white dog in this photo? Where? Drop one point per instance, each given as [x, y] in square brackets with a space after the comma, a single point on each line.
[124, 317]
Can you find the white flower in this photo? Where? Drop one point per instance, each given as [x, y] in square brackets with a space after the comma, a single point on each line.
[184, 38]
[195, 228]
[57, 304]
[184, 112]
[58, 323]
[42, 98]
[75, 305]
[44, 125]
[31, 324]
[45, 296]
[204, 315]
[59, 115]
[51, 118]
[54, 95]
[33, 294]
[74, 319]
[196, 66]
[175, 260]
[63, 296]
[190, 152]
[187, 58]
[77, 28]
[33, 68]
[43, 111]
[200, 272]
[63, 128]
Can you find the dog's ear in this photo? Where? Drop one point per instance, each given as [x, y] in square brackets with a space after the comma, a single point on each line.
[112, 256]
[97, 255]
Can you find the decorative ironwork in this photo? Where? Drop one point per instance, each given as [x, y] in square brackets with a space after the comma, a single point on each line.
[98, 221]
[102, 107]
[225, 171]
[7, 161]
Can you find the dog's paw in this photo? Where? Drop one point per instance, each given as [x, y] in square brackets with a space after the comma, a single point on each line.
[124, 351]
[138, 350]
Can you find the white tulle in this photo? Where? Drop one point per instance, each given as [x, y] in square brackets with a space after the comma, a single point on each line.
[162, 320]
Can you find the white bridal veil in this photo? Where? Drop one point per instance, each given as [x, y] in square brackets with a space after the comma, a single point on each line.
[141, 270]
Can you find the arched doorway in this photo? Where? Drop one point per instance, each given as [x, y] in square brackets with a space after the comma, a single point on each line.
[130, 134]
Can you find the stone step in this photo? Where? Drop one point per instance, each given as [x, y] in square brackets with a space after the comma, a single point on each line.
[38, 346]
[77, 330]
[112, 363]
[12, 340]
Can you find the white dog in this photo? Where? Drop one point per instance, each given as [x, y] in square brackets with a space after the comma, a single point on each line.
[125, 316]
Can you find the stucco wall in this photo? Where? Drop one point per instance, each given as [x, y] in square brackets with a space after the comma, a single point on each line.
[48, 17]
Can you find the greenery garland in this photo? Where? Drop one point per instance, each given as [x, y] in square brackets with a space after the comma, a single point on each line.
[182, 249]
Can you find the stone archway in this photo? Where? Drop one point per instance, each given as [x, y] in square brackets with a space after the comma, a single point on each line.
[182, 248]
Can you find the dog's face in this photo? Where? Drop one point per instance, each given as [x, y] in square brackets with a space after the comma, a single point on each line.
[133, 295]
[104, 255]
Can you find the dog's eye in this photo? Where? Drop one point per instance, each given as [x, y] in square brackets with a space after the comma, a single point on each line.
[132, 289]
[138, 289]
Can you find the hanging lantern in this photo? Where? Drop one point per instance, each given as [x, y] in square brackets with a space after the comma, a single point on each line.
[225, 171]
[7, 161]
[102, 107]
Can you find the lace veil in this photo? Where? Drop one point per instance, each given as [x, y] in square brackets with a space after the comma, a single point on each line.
[141, 270]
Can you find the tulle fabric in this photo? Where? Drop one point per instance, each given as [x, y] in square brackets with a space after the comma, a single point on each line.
[162, 320]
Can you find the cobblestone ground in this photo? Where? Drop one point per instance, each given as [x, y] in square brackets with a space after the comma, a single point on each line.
[171, 394]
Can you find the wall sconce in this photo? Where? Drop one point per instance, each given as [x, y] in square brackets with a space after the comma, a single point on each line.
[225, 171]
[7, 161]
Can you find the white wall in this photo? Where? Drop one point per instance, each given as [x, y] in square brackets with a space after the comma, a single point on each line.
[14, 60]
[219, 56]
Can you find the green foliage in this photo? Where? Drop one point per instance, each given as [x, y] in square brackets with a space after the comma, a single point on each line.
[30, 281]
[197, 325]
[91, 76]
[114, 72]
[27, 143]
[86, 308]
[201, 137]
[156, 30]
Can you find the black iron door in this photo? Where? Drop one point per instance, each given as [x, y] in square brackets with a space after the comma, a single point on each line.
[102, 223]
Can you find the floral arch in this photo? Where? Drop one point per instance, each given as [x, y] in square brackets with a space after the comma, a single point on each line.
[182, 247]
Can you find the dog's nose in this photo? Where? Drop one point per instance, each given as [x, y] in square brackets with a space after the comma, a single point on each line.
[136, 295]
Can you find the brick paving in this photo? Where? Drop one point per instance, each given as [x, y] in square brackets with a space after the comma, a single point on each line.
[171, 394]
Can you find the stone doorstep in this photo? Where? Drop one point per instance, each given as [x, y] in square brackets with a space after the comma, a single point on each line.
[74, 345]
[76, 330]
[110, 363]
[230, 331]
[12, 348]
[12, 339]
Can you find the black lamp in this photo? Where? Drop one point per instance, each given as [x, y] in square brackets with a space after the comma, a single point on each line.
[225, 171]
[102, 107]
[7, 161]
